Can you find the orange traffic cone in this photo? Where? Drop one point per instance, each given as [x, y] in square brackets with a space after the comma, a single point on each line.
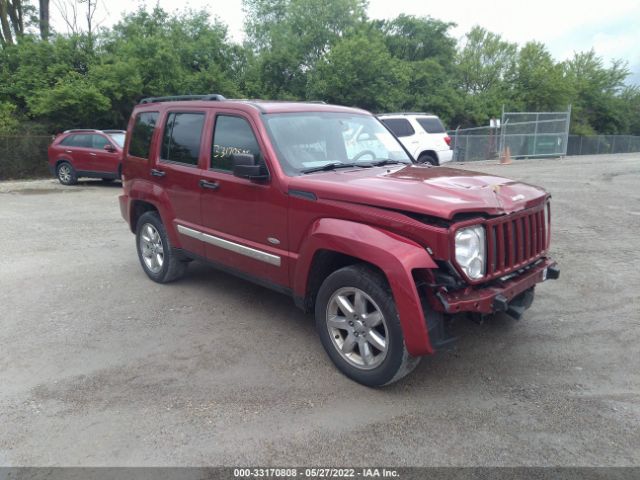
[505, 158]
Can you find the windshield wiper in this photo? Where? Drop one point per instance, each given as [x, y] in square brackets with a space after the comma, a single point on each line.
[380, 163]
[328, 166]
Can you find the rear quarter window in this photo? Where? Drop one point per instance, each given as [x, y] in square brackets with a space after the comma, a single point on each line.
[431, 124]
[141, 135]
[399, 126]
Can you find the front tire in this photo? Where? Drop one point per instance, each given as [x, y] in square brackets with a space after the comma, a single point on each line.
[66, 174]
[359, 327]
[158, 260]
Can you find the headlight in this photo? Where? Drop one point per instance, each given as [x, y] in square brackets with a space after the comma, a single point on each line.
[471, 251]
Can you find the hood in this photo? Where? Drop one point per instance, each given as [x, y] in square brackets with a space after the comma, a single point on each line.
[437, 191]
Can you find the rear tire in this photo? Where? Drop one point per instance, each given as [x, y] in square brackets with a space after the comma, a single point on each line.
[156, 255]
[66, 174]
[359, 327]
[429, 158]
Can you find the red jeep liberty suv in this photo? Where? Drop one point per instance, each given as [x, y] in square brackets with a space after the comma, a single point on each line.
[323, 203]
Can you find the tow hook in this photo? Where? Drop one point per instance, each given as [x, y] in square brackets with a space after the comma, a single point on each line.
[553, 272]
[516, 307]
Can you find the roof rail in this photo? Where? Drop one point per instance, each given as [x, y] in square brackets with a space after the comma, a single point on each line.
[404, 113]
[81, 130]
[177, 98]
[114, 130]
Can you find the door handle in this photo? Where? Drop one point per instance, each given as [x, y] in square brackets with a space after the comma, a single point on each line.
[68, 151]
[209, 185]
[93, 154]
[157, 173]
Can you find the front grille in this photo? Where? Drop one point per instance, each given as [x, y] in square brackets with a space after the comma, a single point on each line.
[515, 241]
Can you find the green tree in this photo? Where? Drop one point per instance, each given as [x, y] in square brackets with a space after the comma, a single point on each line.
[485, 66]
[360, 71]
[415, 39]
[72, 102]
[594, 89]
[288, 37]
[538, 83]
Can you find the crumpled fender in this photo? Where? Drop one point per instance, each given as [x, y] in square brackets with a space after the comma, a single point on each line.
[395, 255]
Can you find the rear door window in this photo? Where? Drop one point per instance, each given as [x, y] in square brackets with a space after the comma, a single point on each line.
[399, 126]
[431, 124]
[232, 135]
[182, 137]
[78, 140]
[140, 144]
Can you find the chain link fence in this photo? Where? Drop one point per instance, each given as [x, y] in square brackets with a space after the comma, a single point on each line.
[24, 156]
[483, 144]
[600, 144]
[525, 134]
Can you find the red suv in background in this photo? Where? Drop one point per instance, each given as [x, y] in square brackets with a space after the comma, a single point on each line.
[86, 153]
[323, 203]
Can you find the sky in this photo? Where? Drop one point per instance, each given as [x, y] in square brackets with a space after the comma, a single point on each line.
[611, 28]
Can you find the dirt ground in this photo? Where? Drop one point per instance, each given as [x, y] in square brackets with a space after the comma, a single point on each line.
[100, 366]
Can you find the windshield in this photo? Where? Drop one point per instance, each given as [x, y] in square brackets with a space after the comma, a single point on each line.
[306, 142]
[118, 138]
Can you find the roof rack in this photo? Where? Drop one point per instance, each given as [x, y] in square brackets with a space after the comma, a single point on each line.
[113, 130]
[81, 130]
[177, 98]
[404, 113]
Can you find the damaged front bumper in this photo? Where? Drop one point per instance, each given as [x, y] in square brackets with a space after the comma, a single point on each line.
[512, 294]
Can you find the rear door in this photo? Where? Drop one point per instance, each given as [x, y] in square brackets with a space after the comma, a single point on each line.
[244, 222]
[177, 169]
[78, 148]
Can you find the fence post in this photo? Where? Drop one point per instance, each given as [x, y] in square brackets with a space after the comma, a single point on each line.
[566, 132]
[535, 134]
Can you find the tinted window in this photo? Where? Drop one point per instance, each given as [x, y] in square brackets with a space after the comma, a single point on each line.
[431, 124]
[141, 135]
[77, 141]
[232, 135]
[181, 140]
[98, 141]
[399, 126]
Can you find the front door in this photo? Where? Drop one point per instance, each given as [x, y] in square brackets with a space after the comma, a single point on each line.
[244, 222]
[104, 160]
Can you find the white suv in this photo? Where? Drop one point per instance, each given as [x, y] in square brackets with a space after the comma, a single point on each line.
[422, 134]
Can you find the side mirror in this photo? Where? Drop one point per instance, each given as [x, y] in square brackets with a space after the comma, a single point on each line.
[246, 166]
[109, 148]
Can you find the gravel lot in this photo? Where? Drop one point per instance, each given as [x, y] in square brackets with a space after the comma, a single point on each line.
[100, 366]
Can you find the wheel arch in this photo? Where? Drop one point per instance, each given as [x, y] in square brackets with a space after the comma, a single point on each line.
[334, 243]
[63, 160]
[137, 209]
[430, 153]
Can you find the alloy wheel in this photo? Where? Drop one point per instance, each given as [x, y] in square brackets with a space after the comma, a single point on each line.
[151, 248]
[357, 328]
